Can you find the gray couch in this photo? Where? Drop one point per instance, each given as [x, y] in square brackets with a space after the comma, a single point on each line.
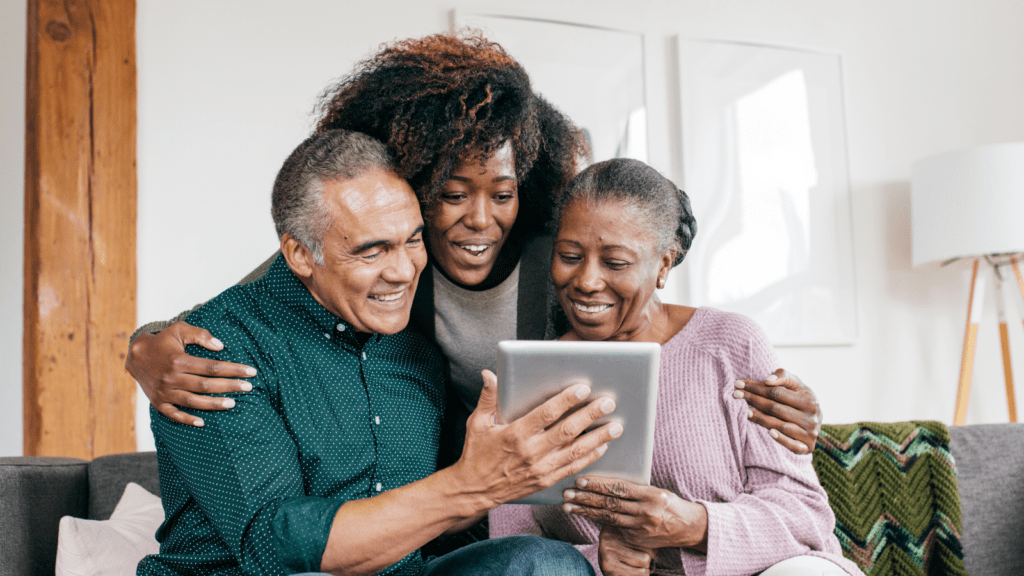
[36, 492]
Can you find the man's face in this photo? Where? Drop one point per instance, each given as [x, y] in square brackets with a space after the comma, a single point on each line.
[373, 252]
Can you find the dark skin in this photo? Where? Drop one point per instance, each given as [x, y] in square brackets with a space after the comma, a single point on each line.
[171, 378]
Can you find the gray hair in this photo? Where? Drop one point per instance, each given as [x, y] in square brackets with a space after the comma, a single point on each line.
[297, 203]
[654, 199]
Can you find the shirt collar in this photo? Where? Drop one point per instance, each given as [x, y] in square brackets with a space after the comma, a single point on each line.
[286, 287]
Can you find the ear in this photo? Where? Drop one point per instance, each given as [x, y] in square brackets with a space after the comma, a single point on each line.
[298, 257]
[665, 265]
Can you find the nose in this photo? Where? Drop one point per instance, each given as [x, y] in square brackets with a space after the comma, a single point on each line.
[400, 269]
[479, 216]
[589, 279]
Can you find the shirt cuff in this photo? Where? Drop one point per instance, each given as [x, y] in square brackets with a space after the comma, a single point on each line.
[301, 528]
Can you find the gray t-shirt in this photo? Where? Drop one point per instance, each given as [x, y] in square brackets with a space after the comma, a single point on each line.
[468, 326]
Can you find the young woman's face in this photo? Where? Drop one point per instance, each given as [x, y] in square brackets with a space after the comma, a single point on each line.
[605, 269]
[472, 219]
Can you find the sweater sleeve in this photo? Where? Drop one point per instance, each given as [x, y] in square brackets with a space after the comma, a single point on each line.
[783, 511]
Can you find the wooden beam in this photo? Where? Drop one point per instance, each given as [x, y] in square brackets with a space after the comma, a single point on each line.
[80, 218]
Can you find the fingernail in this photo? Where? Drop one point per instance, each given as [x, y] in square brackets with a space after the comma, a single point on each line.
[771, 378]
[582, 392]
[581, 482]
[245, 386]
[737, 394]
[615, 430]
[774, 434]
[608, 406]
[217, 343]
[199, 423]
[567, 508]
[750, 414]
[569, 494]
[250, 371]
[602, 449]
[739, 384]
[228, 403]
[801, 447]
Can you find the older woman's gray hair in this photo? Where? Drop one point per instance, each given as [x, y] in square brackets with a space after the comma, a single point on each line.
[297, 204]
[654, 199]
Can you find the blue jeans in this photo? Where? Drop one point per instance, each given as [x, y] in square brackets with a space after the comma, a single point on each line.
[508, 556]
[512, 556]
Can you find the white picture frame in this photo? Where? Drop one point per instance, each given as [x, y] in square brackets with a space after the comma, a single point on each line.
[765, 165]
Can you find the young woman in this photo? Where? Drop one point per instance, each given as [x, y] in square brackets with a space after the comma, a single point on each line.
[486, 157]
[724, 497]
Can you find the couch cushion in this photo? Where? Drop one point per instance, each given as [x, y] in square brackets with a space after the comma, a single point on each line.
[34, 494]
[108, 475]
[111, 547]
[990, 470]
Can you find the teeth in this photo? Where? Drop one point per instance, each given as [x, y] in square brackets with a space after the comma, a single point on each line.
[476, 250]
[387, 297]
[597, 308]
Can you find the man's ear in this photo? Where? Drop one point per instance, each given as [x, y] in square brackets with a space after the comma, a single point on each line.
[297, 255]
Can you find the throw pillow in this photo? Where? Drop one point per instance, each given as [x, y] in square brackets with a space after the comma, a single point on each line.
[111, 547]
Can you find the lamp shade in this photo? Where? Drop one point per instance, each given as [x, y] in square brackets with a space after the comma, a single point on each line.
[968, 203]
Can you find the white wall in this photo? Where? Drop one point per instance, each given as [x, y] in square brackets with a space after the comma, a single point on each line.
[226, 89]
[12, 219]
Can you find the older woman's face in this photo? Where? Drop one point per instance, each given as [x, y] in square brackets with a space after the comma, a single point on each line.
[605, 269]
[470, 222]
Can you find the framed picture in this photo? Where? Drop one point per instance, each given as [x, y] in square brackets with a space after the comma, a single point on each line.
[765, 165]
[593, 75]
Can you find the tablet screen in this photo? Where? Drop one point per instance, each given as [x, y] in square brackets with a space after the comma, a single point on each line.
[530, 372]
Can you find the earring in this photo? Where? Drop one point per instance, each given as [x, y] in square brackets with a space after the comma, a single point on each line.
[661, 282]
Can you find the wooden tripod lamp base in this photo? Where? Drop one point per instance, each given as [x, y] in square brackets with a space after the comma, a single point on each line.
[974, 308]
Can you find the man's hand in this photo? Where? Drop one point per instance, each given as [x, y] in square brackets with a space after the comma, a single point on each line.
[504, 462]
[620, 558]
[786, 407]
[171, 378]
[645, 516]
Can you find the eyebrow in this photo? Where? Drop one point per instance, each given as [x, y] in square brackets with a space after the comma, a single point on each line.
[371, 244]
[495, 180]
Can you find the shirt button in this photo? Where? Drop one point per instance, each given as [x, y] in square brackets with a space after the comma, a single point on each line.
[376, 419]
[378, 486]
[364, 355]
[327, 335]
[340, 327]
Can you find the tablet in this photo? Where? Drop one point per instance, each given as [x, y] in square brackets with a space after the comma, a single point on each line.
[532, 371]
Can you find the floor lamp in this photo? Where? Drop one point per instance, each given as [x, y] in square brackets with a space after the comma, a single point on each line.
[969, 205]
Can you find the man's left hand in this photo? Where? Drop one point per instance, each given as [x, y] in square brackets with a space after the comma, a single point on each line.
[786, 407]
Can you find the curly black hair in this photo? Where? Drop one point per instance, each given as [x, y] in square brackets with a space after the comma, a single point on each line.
[444, 99]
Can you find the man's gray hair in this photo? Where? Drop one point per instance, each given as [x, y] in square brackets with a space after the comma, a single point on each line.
[297, 204]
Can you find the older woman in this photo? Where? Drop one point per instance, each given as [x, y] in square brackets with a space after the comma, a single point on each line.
[724, 497]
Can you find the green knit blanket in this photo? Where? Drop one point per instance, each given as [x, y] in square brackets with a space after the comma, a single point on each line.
[894, 492]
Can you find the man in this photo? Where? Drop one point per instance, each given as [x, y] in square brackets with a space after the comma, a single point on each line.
[328, 464]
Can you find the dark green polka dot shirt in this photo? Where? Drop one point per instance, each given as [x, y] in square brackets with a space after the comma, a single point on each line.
[328, 420]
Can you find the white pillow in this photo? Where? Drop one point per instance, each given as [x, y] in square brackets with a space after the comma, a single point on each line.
[111, 547]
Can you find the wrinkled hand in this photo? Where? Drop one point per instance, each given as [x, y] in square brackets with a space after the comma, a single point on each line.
[786, 407]
[504, 462]
[646, 516]
[620, 558]
[171, 378]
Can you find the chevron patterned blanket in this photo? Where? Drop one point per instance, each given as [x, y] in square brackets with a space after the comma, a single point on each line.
[894, 492]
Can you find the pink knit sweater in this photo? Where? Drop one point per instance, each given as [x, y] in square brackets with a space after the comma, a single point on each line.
[764, 503]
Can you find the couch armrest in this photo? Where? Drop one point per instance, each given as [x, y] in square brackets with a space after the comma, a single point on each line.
[34, 494]
[990, 472]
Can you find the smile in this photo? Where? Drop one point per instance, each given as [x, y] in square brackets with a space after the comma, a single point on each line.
[474, 249]
[591, 309]
[387, 297]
